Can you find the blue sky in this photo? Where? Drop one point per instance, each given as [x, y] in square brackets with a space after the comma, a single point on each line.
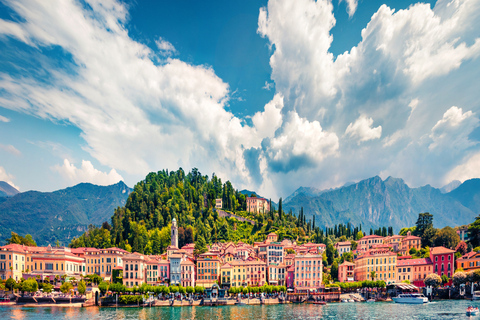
[272, 95]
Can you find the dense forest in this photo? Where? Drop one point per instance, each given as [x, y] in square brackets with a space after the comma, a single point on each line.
[143, 224]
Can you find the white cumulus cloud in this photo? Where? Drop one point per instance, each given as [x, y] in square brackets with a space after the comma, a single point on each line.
[86, 173]
[4, 119]
[165, 47]
[362, 129]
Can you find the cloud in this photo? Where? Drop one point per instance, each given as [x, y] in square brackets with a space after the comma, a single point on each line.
[10, 149]
[165, 47]
[8, 178]
[136, 116]
[86, 173]
[351, 7]
[4, 119]
[453, 129]
[299, 143]
[468, 169]
[268, 85]
[362, 129]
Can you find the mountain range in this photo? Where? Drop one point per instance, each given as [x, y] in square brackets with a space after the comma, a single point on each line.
[60, 215]
[376, 203]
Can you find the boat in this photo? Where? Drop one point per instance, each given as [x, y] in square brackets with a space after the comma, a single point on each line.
[476, 295]
[351, 300]
[344, 300]
[319, 302]
[410, 298]
[471, 311]
[371, 300]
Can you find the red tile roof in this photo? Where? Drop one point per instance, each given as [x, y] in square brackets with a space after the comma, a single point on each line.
[440, 250]
[414, 262]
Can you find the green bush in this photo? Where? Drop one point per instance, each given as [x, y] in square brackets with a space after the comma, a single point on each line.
[131, 299]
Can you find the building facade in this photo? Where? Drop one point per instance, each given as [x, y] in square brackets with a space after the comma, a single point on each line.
[381, 262]
[346, 272]
[257, 205]
[443, 260]
[308, 271]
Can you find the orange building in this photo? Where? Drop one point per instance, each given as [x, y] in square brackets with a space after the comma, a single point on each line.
[368, 241]
[414, 270]
[208, 269]
[468, 262]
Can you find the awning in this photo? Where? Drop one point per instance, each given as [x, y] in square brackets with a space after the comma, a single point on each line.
[107, 278]
[406, 286]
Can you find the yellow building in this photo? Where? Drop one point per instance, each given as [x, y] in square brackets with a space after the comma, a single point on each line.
[102, 261]
[382, 262]
[13, 259]
[53, 262]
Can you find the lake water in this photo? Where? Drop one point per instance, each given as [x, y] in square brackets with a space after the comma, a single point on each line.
[447, 309]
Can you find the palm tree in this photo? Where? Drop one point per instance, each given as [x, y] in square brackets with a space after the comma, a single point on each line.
[373, 275]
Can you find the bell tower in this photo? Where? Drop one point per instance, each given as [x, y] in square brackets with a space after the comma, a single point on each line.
[174, 233]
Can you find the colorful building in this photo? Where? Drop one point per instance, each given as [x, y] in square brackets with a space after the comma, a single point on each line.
[134, 271]
[410, 242]
[257, 205]
[188, 273]
[308, 271]
[414, 270]
[443, 260]
[277, 274]
[381, 262]
[208, 269]
[343, 247]
[346, 272]
[468, 262]
[368, 241]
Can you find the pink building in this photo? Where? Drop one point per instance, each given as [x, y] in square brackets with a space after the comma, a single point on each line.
[346, 272]
[368, 241]
[189, 248]
[164, 271]
[290, 282]
[258, 205]
[188, 273]
[308, 271]
[443, 260]
[343, 247]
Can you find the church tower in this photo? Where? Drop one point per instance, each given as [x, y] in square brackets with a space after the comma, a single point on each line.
[174, 234]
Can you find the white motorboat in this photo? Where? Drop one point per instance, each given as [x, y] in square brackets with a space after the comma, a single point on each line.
[410, 298]
[344, 300]
[371, 300]
[351, 300]
[476, 295]
[471, 311]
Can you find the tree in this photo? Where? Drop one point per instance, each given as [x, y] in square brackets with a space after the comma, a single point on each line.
[334, 270]
[433, 280]
[330, 251]
[200, 245]
[66, 287]
[30, 285]
[447, 237]
[82, 287]
[359, 235]
[462, 248]
[10, 283]
[459, 278]
[474, 231]
[103, 287]
[429, 236]
[47, 287]
[445, 279]
[424, 221]
[373, 275]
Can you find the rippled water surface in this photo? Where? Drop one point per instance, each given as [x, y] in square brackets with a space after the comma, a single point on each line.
[449, 309]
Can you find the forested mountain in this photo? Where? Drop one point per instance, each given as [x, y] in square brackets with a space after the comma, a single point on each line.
[143, 224]
[6, 190]
[374, 203]
[60, 215]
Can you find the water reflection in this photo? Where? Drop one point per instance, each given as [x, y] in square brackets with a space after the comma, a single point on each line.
[384, 311]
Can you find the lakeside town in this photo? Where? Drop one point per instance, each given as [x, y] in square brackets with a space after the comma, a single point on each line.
[271, 271]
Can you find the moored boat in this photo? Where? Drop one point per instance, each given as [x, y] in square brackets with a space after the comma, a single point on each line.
[410, 298]
[371, 300]
[471, 311]
[476, 295]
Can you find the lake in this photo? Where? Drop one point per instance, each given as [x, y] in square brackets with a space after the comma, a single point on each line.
[442, 309]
